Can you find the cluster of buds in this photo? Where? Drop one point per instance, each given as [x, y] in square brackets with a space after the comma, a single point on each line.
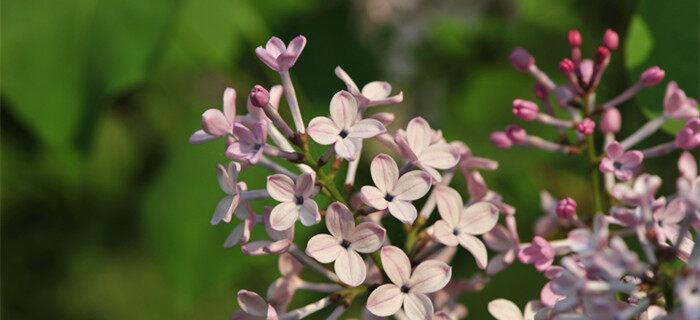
[359, 259]
[592, 272]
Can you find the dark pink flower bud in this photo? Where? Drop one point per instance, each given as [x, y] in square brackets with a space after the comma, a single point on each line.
[259, 96]
[610, 121]
[602, 53]
[566, 66]
[526, 110]
[610, 39]
[574, 38]
[652, 76]
[566, 208]
[500, 139]
[689, 137]
[516, 134]
[541, 91]
[521, 59]
[586, 126]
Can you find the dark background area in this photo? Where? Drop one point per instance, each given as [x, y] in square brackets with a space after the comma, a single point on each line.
[106, 207]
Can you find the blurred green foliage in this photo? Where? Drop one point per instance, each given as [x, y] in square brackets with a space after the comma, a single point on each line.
[105, 206]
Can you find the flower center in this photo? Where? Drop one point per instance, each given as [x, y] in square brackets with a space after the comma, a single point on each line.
[388, 197]
[455, 232]
[345, 243]
[405, 288]
[343, 133]
[617, 165]
[257, 146]
[299, 200]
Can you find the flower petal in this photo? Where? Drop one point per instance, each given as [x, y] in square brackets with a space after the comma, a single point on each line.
[418, 134]
[324, 248]
[373, 197]
[475, 247]
[214, 123]
[385, 301]
[418, 306]
[200, 136]
[235, 237]
[449, 203]
[343, 109]
[323, 130]
[346, 149]
[252, 303]
[614, 150]
[430, 276]
[376, 90]
[385, 172]
[275, 47]
[308, 213]
[403, 210]
[296, 46]
[304, 185]
[478, 218]
[224, 210]
[412, 186]
[440, 156]
[396, 265]
[350, 267]
[339, 220]
[444, 233]
[280, 187]
[224, 180]
[343, 76]
[243, 134]
[503, 309]
[284, 215]
[498, 239]
[632, 159]
[266, 58]
[230, 104]
[367, 237]
[366, 128]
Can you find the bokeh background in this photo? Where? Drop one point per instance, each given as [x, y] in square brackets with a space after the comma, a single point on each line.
[105, 207]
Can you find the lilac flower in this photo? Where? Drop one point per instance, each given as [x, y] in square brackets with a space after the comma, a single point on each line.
[279, 57]
[281, 292]
[241, 233]
[525, 110]
[677, 105]
[253, 307]
[506, 243]
[585, 127]
[249, 144]
[279, 241]
[689, 137]
[688, 291]
[688, 184]
[344, 129]
[503, 309]
[619, 162]
[394, 192]
[419, 146]
[296, 200]
[540, 253]
[217, 124]
[408, 289]
[375, 93]
[566, 208]
[640, 193]
[228, 182]
[344, 243]
[460, 225]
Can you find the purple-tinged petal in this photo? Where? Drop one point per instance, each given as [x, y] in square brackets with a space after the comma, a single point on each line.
[296, 46]
[631, 159]
[343, 108]
[606, 165]
[224, 209]
[278, 247]
[281, 188]
[373, 197]
[284, 215]
[200, 136]
[288, 265]
[444, 233]
[350, 267]
[267, 59]
[235, 237]
[346, 149]
[478, 218]
[224, 180]
[498, 239]
[215, 123]
[449, 203]
[687, 166]
[252, 303]
[367, 237]
[385, 172]
[430, 276]
[275, 47]
[403, 210]
[434, 174]
[256, 248]
[440, 156]
[412, 186]
[323, 130]
[475, 247]
[304, 185]
[418, 135]
[366, 128]
[396, 265]
[376, 90]
[496, 264]
[385, 301]
[308, 213]
[339, 220]
[503, 309]
[343, 76]
[614, 150]
[418, 306]
[229, 104]
[324, 248]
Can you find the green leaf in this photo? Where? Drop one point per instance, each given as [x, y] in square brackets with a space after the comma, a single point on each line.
[639, 43]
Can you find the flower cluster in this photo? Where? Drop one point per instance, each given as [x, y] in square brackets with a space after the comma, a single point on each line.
[592, 272]
[356, 255]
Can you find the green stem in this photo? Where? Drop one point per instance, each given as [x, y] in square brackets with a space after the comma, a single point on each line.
[595, 174]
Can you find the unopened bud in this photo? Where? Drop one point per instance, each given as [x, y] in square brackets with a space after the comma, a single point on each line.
[566, 208]
[574, 38]
[259, 96]
[566, 66]
[521, 59]
[525, 110]
[586, 126]
[541, 91]
[602, 53]
[500, 139]
[610, 39]
[610, 121]
[652, 76]
[516, 134]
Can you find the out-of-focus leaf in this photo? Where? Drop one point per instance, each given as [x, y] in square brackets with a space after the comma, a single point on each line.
[639, 43]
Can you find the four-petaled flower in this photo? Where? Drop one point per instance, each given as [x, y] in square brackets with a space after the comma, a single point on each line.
[677, 105]
[296, 200]
[345, 130]
[460, 225]
[217, 124]
[253, 307]
[344, 243]
[393, 192]
[619, 162]
[418, 146]
[228, 182]
[279, 241]
[375, 93]
[408, 289]
[539, 252]
[249, 144]
[279, 57]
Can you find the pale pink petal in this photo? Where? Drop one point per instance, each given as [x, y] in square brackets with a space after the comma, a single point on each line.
[430, 276]
[498, 239]
[252, 303]
[288, 265]
[418, 135]
[230, 104]
[404, 147]
[296, 46]
[366, 128]
[275, 96]
[343, 109]
[214, 123]
[418, 306]
[397, 98]
[276, 234]
[266, 58]
[324, 248]
[385, 172]
[412, 186]
[614, 150]
[444, 233]
[346, 149]
[373, 197]
[224, 180]
[403, 210]
[256, 248]
[478, 218]
[367, 237]
[275, 47]
[606, 165]
[376, 90]
[503, 309]
[396, 265]
[687, 165]
[631, 159]
[350, 267]
[339, 220]
[278, 247]
[284, 215]
[531, 309]
[235, 237]
[200, 136]
[475, 247]
[434, 174]
[308, 213]
[224, 209]
[243, 134]
[305, 184]
[323, 130]
[343, 76]
[449, 203]
[385, 301]
[440, 156]
[281, 187]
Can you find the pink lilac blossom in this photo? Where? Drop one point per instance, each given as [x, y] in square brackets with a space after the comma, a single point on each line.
[420, 149]
[539, 252]
[296, 200]
[620, 162]
[215, 123]
[278, 56]
[375, 93]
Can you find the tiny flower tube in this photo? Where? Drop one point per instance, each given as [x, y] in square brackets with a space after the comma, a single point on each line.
[652, 76]
[610, 121]
[260, 98]
[552, 121]
[516, 134]
[566, 208]
[501, 140]
[601, 63]
[586, 126]
[611, 39]
[525, 110]
[546, 145]
[644, 132]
